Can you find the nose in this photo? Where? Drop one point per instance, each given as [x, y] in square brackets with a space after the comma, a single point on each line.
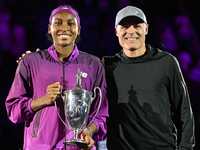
[64, 27]
[131, 29]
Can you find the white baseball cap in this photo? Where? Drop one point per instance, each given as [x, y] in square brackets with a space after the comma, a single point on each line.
[130, 11]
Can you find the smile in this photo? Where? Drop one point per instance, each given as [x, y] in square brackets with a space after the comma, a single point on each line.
[131, 39]
[66, 36]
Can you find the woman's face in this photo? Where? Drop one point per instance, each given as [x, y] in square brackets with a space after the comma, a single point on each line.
[64, 28]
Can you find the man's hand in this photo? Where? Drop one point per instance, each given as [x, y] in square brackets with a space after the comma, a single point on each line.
[27, 52]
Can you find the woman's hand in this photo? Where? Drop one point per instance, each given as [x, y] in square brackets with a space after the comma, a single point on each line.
[85, 136]
[52, 93]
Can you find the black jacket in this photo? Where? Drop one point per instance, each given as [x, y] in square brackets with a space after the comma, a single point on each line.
[149, 105]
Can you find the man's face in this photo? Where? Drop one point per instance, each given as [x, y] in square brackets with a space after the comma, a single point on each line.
[131, 33]
[64, 28]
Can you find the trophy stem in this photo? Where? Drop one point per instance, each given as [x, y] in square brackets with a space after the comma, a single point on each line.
[75, 134]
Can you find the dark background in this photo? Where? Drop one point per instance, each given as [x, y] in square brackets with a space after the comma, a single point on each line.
[173, 27]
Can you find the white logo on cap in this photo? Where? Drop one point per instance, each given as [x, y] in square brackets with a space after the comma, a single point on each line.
[65, 7]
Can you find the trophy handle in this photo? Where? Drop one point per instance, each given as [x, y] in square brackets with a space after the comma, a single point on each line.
[99, 103]
[61, 89]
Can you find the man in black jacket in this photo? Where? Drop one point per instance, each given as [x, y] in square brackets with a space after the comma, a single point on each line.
[149, 105]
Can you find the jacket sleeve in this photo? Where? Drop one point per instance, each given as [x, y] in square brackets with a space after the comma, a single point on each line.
[181, 108]
[19, 97]
[102, 115]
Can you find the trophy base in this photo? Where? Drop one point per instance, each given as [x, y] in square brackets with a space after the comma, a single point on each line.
[75, 142]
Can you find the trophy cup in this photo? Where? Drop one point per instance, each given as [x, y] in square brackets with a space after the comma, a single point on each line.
[77, 103]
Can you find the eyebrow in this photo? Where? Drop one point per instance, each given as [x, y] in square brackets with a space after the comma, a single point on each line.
[62, 19]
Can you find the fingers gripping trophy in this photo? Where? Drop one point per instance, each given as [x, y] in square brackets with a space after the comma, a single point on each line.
[77, 104]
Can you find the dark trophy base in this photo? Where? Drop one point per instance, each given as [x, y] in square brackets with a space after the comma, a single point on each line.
[75, 142]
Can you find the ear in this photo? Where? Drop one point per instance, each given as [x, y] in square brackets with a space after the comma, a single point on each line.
[116, 32]
[146, 29]
[79, 30]
[49, 28]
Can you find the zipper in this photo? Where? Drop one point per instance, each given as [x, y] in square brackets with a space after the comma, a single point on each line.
[64, 86]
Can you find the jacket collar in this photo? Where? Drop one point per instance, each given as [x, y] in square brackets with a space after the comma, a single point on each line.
[73, 55]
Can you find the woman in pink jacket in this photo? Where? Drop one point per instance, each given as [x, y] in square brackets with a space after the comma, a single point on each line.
[38, 79]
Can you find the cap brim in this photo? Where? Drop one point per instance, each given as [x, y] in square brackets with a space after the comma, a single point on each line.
[130, 15]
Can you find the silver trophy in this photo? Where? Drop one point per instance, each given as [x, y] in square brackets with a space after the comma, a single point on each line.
[77, 103]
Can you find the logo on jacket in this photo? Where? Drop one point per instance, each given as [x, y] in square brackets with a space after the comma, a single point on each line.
[84, 74]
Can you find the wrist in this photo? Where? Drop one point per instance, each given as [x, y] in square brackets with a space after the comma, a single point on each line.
[91, 133]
